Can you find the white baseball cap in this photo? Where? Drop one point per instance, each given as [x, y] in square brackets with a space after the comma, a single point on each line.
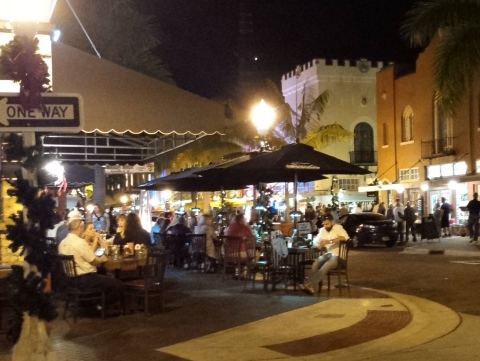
[74, 214]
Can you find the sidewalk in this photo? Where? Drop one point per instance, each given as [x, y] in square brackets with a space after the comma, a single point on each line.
[209, 318]
[451, 246]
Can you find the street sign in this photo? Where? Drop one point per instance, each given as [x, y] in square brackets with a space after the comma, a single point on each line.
[60, 113]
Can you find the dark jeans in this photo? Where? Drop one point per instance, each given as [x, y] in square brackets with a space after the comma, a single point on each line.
[410, 226]
[400, 230]
[473, 226]
[113, 288]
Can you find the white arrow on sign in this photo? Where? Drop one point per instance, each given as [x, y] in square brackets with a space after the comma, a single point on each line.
[59, 112]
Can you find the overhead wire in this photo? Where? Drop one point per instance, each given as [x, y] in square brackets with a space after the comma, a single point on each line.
[83, 28]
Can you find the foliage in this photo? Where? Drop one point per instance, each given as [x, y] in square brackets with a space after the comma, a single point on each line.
[29, 236]
[119, 31]
[326, 135]
[305, 123]
[20, 61]
[457, 58]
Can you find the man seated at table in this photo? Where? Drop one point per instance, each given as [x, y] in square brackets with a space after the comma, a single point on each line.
[86, 263]
[328, 238]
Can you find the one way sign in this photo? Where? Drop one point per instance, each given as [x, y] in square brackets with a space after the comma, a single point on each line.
[60, 113]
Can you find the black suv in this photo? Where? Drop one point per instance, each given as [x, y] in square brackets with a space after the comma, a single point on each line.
[369, 228]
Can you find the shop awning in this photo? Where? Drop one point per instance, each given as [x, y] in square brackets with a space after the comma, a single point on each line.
[121, 100]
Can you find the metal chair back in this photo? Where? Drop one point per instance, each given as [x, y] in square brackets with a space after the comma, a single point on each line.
[198, 251]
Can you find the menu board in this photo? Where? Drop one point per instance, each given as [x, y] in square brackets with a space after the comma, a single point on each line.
[304, 228]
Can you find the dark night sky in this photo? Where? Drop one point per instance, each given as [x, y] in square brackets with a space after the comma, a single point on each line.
[200, 36]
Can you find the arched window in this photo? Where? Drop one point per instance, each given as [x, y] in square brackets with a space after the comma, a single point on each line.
[407, 124]
[442, 130]
[363, 144]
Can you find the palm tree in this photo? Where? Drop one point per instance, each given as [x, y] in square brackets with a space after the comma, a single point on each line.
[304, 124]
[457, 58]
[119, 32]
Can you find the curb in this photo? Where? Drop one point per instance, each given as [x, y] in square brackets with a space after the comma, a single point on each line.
[441, 252]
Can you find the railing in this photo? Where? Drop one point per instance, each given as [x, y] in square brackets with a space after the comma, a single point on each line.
[438, 148]
[363, 158]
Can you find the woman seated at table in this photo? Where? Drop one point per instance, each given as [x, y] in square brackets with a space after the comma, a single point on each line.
[204, 226]
[239, 227]
[91, 236]
[120, 231]
[132, 232]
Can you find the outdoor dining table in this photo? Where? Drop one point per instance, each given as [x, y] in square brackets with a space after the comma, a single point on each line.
[297, 257]
[128, 263]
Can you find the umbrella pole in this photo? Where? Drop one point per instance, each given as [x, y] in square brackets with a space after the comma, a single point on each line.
[295, 189]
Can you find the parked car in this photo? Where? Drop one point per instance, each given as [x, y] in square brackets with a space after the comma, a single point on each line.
[369, 228]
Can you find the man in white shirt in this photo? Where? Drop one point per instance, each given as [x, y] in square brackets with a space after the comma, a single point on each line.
[328, 237]
[343, 210]
[86, 262]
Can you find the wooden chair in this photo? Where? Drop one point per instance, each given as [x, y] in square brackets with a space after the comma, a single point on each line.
[279, 270]
[342, 268]
[198, 251]
[306, 264]
[233, 258]
[74, 294]
[152, 285]
[178, 247]
[261, 265]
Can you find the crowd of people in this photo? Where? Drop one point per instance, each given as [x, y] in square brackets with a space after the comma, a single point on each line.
[80, 234]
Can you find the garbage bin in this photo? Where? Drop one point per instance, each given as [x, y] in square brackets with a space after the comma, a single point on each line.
[429, 228]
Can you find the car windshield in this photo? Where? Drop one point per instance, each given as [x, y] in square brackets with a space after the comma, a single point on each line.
[370, 217]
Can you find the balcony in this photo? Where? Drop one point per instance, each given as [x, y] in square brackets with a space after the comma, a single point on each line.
[440, 147]
[363, 158]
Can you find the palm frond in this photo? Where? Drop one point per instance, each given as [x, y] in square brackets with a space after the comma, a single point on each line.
[456, 64]
[327, 135]
[427, 17]
[119, 31]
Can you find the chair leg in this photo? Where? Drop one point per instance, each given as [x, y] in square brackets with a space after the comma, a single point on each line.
[145, 303]
[67, 301]
[75, 308]
[161, 301]
[103, 305]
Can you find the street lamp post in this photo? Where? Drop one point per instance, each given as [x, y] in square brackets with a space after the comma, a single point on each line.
[263, 117]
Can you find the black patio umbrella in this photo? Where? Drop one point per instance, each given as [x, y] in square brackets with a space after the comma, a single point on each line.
[291, 163]
[189, 181]
[300, 157]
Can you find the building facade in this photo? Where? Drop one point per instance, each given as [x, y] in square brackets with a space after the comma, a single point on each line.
[430, 154]
[352, 105]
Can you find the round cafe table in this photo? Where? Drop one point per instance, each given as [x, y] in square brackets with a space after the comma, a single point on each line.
[129, 263]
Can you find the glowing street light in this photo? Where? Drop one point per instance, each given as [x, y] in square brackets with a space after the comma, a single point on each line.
[263, 116]
[26, 15]
[38, 11]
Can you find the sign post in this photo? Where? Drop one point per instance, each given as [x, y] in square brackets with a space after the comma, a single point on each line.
[59, 113]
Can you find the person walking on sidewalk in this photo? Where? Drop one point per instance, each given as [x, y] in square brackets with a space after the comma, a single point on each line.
[473, 212]
[410, 217]
[398, 217]
[445, 217]
[437, 217]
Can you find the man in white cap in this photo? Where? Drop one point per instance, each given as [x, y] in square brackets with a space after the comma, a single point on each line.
[62, 231]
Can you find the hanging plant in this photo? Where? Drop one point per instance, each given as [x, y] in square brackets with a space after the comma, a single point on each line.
[20, 62]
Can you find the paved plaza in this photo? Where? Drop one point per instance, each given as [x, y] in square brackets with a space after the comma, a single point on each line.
[210, 318]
